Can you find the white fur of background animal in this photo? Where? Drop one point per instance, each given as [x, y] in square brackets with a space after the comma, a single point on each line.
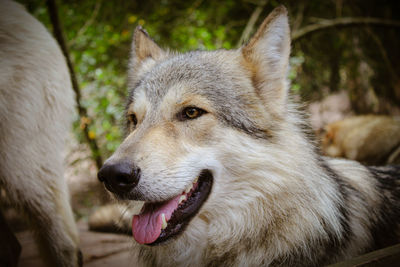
[36, 103]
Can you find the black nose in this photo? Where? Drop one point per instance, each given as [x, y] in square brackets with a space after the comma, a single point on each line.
[119, 178]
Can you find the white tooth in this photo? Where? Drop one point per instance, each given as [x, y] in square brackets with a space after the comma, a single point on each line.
[164, 221]
[182, 198]
[189, 188]
[195, 180]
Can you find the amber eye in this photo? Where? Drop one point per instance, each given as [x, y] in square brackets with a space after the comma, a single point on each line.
[132, 119]
[190, 113]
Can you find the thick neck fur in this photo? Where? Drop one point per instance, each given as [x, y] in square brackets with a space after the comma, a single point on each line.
[272, 203]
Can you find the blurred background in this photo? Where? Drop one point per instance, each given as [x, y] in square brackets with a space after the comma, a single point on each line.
[345, 72]
[345, 61]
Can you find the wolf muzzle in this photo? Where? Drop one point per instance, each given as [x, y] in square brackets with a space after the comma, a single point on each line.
[119, 178]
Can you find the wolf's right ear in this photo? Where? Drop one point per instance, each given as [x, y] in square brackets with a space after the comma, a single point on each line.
[144, 52]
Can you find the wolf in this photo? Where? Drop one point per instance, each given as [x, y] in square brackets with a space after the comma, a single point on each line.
[218, 155]
[36, 103]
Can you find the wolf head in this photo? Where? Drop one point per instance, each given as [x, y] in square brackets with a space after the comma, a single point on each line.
[200, 125]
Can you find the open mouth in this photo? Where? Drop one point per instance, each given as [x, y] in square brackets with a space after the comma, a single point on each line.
[158, 222]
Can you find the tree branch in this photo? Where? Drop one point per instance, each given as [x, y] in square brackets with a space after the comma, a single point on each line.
[58, 33]
[252, 21]
[87, 24]
[342, 22]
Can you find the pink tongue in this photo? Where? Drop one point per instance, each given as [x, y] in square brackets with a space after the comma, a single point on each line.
[146, 227]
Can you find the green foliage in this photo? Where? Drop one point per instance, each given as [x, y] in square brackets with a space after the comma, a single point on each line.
[99, 35]
[295, 69]
[99, 43]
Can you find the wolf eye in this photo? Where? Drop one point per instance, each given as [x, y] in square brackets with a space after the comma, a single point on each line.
[190, 113]
[132, 119]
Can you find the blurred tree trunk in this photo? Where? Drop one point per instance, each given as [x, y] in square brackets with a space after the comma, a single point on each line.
[85, 121]
[362, 95]
[336, 48]
[334, 78]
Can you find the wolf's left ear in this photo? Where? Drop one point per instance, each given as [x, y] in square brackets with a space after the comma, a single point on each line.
[267, 57]
[144, 52]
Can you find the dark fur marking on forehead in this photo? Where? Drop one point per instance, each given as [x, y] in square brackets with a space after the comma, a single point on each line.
[388, 218]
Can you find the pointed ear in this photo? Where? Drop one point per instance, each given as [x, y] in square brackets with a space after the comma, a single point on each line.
[267, 57]
[145, 52]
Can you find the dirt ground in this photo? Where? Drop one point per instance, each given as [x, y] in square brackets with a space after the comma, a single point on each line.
[87, 193]
[98, 249]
